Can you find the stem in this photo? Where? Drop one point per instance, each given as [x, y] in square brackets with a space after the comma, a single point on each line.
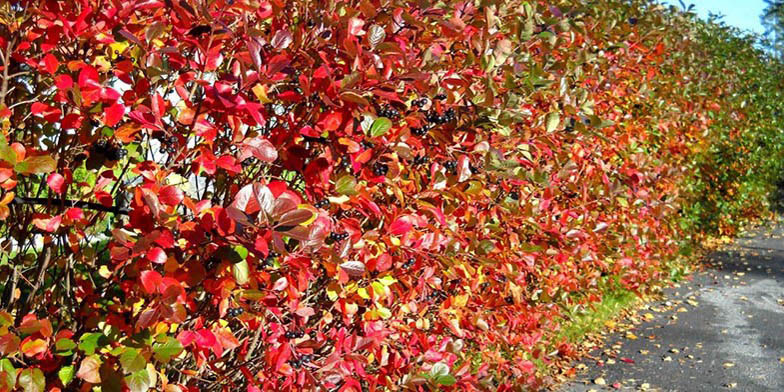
[70, 203]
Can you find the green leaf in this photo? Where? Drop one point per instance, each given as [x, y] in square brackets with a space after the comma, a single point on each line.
[139, 381]
[346, 185]
[485, 247]
[66, 374]
[64, 347]
[32, 380]
[90, 342]
[132, 360]
[40, 164]
[241, 272]
[6, 152]
[380, 127]
[551, 121]
[242, 251]
[7, 374]
[447, 380]
[387, 280]
[167, 349]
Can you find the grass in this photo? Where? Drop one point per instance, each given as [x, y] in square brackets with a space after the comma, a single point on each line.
[584, 321]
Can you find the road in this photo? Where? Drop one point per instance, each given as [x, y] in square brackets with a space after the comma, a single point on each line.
[724, 330]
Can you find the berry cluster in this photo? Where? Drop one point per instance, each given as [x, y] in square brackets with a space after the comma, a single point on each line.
[271, 257]
[437, 296]
[248, 162]
[303, 359]
[380, 169]
[388, 112]
[335, 237]
[451, 166]
[109, 150]
[419, 131]
[323, 203]
[294, 334]
[234, 312]
[421, 160]
[420, 102]
[570, 125]
[169, 145]
[345, 162]
[409, 263]
[434, 117]
[514, 195]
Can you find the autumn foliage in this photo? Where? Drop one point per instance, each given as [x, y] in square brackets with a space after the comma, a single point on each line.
[246, 195]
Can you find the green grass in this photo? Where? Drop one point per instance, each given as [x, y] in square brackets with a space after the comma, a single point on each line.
[591, 319]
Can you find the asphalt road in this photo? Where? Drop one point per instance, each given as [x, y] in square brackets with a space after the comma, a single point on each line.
[724, 330]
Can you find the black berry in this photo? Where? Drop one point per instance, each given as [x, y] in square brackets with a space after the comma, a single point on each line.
[380, 169]
[450, 166]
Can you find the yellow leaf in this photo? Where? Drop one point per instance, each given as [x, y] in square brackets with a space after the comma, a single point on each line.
[362, 293]
[261, 93]
[117, 48]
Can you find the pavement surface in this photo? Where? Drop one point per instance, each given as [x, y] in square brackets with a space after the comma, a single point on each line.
[722, 331]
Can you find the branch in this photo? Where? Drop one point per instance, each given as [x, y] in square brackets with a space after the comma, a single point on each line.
[70, 203]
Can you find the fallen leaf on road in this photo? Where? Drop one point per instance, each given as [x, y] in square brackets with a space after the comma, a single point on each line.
[631, 336]
[627, 360]
[600, 381]
[667, 359]
[728, 364]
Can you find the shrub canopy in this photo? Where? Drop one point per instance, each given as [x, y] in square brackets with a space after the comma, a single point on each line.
[354, 195]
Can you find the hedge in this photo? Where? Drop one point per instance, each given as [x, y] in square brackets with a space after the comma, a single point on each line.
[357, 195]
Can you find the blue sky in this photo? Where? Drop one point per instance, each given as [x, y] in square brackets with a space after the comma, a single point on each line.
[740, 13]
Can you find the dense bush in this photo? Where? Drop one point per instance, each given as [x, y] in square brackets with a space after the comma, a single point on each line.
[353, 195]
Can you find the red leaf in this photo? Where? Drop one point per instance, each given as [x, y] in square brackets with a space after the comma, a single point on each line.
[150, 280]
[260, 148]
[229, 163]
[56, 182]
[63, 82]
[157, 255]
[170, 195]
[48, 224]
[113, 114]
[400, 226]
[205, 338]
[38, 107]
[104, 198]
[51, 63]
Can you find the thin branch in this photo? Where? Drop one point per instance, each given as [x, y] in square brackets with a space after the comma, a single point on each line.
[70, 203]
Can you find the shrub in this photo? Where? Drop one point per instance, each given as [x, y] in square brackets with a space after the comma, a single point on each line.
[352, 195]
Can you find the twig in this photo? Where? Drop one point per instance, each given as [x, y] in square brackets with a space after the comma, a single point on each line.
[70, 203]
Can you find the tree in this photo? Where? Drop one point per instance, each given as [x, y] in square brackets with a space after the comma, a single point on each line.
[773, 20]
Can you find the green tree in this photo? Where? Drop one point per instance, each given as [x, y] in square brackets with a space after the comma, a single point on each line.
[773, 21]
